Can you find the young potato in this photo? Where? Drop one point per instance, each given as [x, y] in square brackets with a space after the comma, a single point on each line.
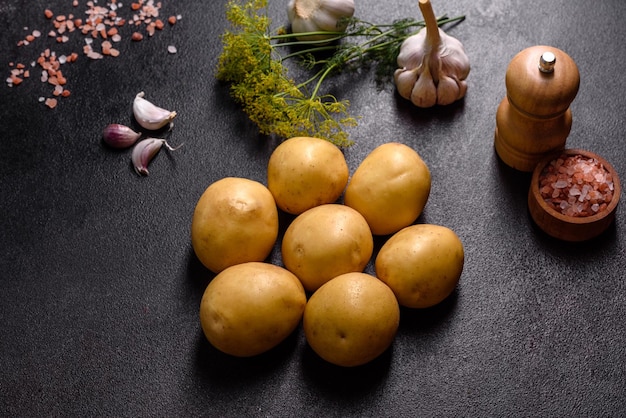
[324, 242]
[304, 172]
[250, 308]
[235, 221]
[389, 188]
[351, 320]
[422, 264]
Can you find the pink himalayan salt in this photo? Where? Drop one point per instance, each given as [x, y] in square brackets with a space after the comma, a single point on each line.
[576, 186]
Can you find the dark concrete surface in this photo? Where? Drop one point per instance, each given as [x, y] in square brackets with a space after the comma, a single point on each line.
[100, 289]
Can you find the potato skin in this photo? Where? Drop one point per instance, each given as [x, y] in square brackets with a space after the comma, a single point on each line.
[422, 264]
[390, 188]
[324, 242]
[351, 319]
[234, 221]
[249, 308]
[304, 172]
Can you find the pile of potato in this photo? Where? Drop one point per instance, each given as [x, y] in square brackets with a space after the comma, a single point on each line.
[350, 317]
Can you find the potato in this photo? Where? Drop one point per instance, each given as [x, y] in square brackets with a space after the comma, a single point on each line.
[305, 172]
[235, 221]
[324, 242]
[422, 264]
[351, 320]
[389, 188]
[249, 308]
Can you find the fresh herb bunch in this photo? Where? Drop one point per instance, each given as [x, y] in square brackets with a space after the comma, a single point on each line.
[253, 63]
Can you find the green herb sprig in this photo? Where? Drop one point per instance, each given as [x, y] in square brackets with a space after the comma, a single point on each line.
[253, 63]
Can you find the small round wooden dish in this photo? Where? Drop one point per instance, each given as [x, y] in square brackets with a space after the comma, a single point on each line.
[553, 220]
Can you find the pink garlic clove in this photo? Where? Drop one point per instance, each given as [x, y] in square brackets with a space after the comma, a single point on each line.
[119, 136]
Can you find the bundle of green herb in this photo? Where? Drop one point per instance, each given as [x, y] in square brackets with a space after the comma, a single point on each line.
[252, 63]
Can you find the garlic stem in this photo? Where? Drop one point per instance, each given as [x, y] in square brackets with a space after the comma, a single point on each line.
[432, 28]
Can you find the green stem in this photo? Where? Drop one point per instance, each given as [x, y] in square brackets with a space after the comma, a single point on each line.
[325, 73]
[308, 51]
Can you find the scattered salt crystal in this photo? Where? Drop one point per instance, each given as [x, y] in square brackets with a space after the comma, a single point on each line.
[560, 184]
[94, 55]
[51, 103]
[99, 18]
[574, 191]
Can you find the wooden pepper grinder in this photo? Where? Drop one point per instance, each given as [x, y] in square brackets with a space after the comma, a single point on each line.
[534, 119]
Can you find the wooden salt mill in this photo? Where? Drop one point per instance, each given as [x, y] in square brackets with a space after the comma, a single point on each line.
[534, 119]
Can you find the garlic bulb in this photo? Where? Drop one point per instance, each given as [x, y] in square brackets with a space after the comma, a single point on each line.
[319, 15]
[433, 65]
[150, 116]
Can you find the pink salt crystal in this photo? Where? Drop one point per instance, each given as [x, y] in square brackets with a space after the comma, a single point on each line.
[560, 184]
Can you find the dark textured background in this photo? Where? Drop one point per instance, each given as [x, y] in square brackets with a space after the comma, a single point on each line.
[100, 289]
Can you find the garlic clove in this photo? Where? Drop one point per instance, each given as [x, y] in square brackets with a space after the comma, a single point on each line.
[424, 93]
[150, 116]
[119, 136]
[405, 80]
[327, 21]
[454, 56]
[447, 91]
[303, 26]
[344, 8]
[462, 88]
[412, 51]
[145, 151]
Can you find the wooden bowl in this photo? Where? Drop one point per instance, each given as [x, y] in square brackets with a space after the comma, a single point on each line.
[566, 227]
